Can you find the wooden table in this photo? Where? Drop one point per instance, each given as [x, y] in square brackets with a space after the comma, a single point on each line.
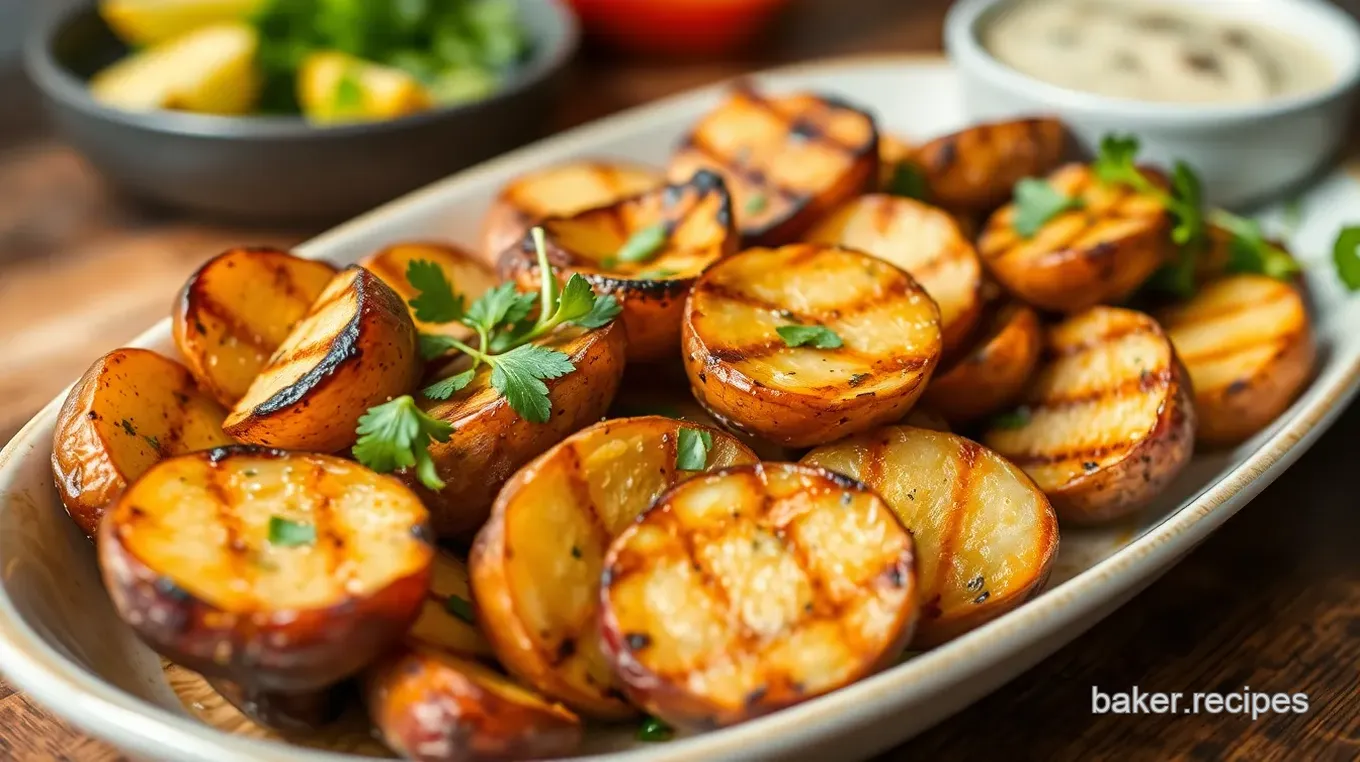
[1272, 601]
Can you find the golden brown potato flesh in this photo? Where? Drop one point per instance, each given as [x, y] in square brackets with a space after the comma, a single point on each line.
[559, 191]
[490, 441]
[277, 571]
[469, 274]
[537, 562]
[754, 588]
[921, 239]
[237, 309]
[433, 706]
[1248, 345]
[1108, 420]
[747, 375]
[1096, 254]
[975, 170]
[692, 227]
[787, 159]
[985, 535]
[445, 620]
[132, 408]
[993, 374]
[356, 348]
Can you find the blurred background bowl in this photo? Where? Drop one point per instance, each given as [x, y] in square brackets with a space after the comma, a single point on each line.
[270, 169]
[676, 28]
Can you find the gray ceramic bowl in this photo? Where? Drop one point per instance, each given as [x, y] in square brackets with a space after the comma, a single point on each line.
[273, 169]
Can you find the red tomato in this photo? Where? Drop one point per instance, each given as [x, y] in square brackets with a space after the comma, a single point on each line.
[670, 27]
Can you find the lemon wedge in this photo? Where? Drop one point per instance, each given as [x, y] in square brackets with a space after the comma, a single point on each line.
[335, 87]
[148, 22]
[210, 70]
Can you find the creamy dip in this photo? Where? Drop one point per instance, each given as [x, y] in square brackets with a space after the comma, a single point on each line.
[1153, 52]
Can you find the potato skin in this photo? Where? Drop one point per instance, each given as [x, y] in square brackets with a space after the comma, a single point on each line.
[469, 274]
[993, 374]
[305, 712]
[369, 360]
[491, 441]
[431, 706]
[975, 170]
[288, 651]
[130, 409]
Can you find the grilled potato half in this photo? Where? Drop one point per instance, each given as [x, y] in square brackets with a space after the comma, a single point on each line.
[646, 251]
[559, 191]
[754, 588]
[446, 621]
[132, 408]
[356, 348]
[490, 441]
[993, 374]
[237, 309]
[750, 377]
[986, 536]
[1248, 345]
[1108, 420]
[433, 706]
[923, 240]
[787, 160]
[469, 275]
[1095, 254]
[975, 170]
[277, 571]
[537, 562]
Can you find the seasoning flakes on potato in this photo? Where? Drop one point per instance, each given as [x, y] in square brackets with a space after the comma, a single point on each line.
[787, 159]
[537, 562]
[921, 239]
[975, 169]
[559, 191]
[645, 250]
[1097, 252]
[490, 441]
[355, 348]
[808, 343]
[470, 276]
[1107, 422]
[132, 408]
[993, 374]
[755, 588]
[277, 571]
[1248, 345]
[237, 309]
[986, 536]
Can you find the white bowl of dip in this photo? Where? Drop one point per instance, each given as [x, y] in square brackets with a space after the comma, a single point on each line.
[1255, 95]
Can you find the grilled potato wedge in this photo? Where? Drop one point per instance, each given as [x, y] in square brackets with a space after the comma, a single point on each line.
[355, 348]
[993, 374]
[986, 536]
[744, 373]
[1248, 345]
[445, 620]
[1096, 254]
[923, 240]
[237, 309]
[433, 706]
[277, 571]
[689, 226]
[559, 191]
[1108, 420]
[787, 160]
[975, 170]
[469, 274]
[490, 441]
[754, 588]
[132, 408]
[536, 564]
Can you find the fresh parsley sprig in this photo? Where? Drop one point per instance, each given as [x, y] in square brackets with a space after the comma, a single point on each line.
[397, 434]
[1037, 202]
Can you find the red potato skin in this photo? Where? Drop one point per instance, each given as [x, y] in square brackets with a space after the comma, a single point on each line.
[428, 710]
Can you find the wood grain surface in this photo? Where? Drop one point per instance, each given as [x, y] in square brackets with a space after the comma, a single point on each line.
[1272, 601]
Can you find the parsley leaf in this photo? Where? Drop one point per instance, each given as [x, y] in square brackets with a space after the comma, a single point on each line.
[1249, 251]
[442, 390]
[460, 607]
[575, 302]
[288, 534]
[518, 375]
[818, 336]
[691, 449]
[437, 302]
[654, 730]
[1346, 256]
[1189, 209]
[1014, 419]
[660, 273]
[756, 203]
[1037, 202]
[644, 244]
[434, 345]
[605, 309]
[1114, 164]
[499, 305]
[397, 434]
[908, 181]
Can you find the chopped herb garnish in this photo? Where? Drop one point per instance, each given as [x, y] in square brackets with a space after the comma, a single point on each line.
[442, 390]
[908, 181]
[657, 274]
[644, 244]
[1037, 202]
[1250, 252]
[288, 534]
[154, 442]
[128, 427]
[1014, 419]
[691, 449]
[1346, 256]
[756, 203]
[397, 434]
[818, 336]
[575, 551]
[460, 607]
[436, 301]
[654, 730]
[858, 378]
